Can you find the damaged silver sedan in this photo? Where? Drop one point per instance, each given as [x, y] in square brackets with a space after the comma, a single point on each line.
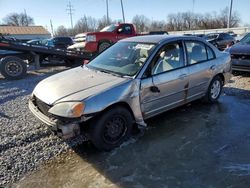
[133, 80]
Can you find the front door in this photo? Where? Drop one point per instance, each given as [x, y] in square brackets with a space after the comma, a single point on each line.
[167, 85]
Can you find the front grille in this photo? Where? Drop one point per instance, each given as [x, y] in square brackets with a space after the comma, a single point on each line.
[240, 57]
[42, 106]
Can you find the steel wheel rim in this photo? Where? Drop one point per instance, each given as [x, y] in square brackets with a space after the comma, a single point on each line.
[215, 89]
[13, 68]
[114, 129]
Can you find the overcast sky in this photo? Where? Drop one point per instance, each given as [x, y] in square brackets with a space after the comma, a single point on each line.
[44, 10]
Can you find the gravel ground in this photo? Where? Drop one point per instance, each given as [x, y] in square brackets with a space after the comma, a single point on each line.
[25, 143]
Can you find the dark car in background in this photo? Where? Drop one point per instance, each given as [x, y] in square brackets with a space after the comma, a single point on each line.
[39, 42]
[60, 42]
[240, 54]
[56, 42]
[220, 40]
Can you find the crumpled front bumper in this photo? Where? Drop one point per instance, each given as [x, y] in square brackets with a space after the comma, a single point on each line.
[64, 131]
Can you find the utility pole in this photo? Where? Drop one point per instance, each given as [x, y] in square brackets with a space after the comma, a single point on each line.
[70, 12]
[230, 14]
[122, 12]
[52, 29]
[26, 17]
[107, 5]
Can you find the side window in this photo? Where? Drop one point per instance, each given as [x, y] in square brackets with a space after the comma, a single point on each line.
[126, 30]
[210, 53]
[170, 57]
[196, 52]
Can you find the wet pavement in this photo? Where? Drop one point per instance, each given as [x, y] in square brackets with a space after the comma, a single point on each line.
[198, 145]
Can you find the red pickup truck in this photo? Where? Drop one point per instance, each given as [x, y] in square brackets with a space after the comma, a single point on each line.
[96, 42]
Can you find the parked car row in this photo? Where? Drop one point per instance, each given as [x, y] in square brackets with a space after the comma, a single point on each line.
[240, 54]
[219, 40]
[239, 48]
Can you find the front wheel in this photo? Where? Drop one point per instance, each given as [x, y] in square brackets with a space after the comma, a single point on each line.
[111, 129]
[214, 90]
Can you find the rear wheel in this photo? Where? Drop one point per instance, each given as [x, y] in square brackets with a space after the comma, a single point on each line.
[111, 129]
[214, 90]
[13, 68]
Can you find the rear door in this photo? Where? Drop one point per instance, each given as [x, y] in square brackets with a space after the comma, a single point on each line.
[166, 86]
[201, 66]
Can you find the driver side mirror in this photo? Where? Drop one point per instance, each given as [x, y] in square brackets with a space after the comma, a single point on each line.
[119, 30]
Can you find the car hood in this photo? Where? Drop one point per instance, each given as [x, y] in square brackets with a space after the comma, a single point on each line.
[74, 84]
[240, 49]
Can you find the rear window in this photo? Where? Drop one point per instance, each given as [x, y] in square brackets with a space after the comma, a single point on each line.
[198, 52]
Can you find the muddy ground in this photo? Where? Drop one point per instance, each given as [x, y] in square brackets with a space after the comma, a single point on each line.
[197, 145]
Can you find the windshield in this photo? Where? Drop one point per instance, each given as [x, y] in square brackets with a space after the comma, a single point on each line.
[109, 28]
[122, 59]
[211, 36]
[245, 39]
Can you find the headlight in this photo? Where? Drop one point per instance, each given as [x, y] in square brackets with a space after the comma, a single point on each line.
[90, 38]
[68, 109]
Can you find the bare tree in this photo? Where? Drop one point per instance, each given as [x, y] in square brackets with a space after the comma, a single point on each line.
[235, 18]
[141, 22]
[103, 22]
[157, 26]
[15, 19]
[189, 21]
[85, 24]
[62, 31]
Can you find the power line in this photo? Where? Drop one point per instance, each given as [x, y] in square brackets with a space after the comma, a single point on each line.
[70, 12]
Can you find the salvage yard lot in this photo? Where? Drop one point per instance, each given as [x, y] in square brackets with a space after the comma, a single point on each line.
[194, 145]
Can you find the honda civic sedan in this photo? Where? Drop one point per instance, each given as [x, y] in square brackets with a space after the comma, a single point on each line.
[133, 80]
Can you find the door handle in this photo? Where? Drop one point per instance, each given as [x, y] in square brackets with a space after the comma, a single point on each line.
[212, 67]
[182, 76]
[154, 89]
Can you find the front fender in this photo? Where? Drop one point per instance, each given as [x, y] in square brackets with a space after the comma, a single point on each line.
[127, 92]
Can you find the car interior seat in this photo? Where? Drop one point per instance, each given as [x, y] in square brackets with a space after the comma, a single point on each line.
[196, 54]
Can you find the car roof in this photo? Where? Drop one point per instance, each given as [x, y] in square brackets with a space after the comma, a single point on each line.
[158, 38]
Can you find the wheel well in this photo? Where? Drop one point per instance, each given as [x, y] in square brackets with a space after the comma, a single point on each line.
[222, 77]
[122, 104]
[101, 41]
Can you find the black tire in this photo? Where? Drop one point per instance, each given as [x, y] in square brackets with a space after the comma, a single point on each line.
[13, 68]
[103, 46]
[111, 129]
[214, 90]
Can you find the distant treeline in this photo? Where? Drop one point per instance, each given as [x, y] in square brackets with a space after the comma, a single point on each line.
[172, 22]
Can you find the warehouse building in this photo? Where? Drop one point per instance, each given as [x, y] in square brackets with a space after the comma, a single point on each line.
[25, 33]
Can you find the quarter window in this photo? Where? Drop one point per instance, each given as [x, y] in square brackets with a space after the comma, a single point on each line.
[210, 53]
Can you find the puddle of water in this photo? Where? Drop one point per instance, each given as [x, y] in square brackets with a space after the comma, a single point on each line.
[193, 146]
